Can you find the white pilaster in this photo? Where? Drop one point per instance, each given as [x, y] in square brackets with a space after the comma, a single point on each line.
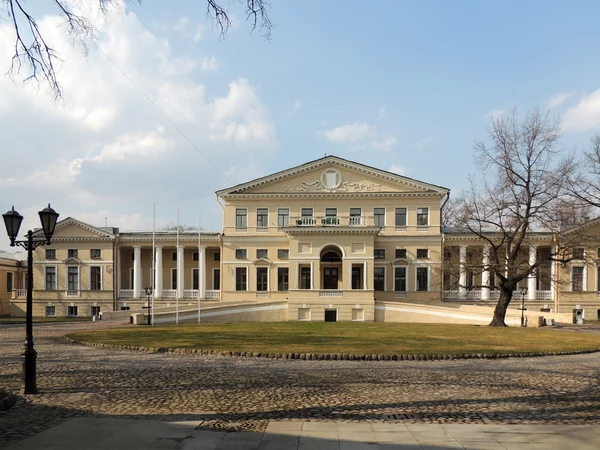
[137, 271]
[462, 280]
[118, 270]
[180, 271]
[531, 281]
[485, 274]
[312, 274]
[202, 272]
[158, 272]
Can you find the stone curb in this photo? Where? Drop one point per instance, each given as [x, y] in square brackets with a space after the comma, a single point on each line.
[329, 356]
[7, 401]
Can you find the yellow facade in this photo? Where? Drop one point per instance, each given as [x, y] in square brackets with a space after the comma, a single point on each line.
[330, 238]
[11, 279]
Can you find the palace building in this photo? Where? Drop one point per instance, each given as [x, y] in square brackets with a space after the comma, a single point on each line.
[330, 240]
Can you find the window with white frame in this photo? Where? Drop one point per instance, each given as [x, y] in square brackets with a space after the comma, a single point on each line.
[95, 278]
[283, 253]
[50, 278]
[422, 253]
[50, 253]
[379, 279]
[241, 278]
[422, 216]
[578, 253]
[73, 311]
[283, 278]
[72, 278]
[577, 278]
[422, 278]
[379, 253]
[400, 217]
[9, 281]
[262, 253]
[95, 310]
[241, 218]
[262, 278]
[73, 253]
[355, 216]
[262, 217]
[95, 253]
[400, 279]
[400, 253]
[379, 217]
[50, 311]
[241, 253]
[283, 217]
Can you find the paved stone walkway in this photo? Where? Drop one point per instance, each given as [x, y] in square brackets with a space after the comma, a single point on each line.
[245, 394]
[127, 434]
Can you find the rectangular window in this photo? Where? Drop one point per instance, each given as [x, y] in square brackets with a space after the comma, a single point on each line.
[379, 253]
[422, 278]
[73, 311]
[50, 278]
[95, 310]
[598, 279]
[217, 279]
[50, 253]
[283, 217]
[241, 218]
[195, 282]
[400, 279]
[9, 281]
[400, 217]
[241, 278]
[195, 256]
[305, 278]
[95, 253]
[283, 278]
[379, 216]
[50, 311]
[577, 279]
[241, 253]
[72, 278]
[96, 278]
[307, 212]
[422, 253]
[173, 278]
[422, 216]
[262, 217]
[125, 308]
[355, 216]
[578, 253]
[173, 256]
[401, 253]
[379, 279]
[262, 253]
[261, 278]
[217, 256]
[73, 253]
[283, 253]
[330, 212]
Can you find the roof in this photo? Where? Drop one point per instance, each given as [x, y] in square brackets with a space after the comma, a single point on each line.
[327, 160]
[109, 232]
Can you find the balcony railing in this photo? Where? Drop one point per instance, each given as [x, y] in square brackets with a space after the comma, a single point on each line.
[19, 293]
[72, 293]
[190, 293]
[330, 221]
[169, 293]
[125, 293]
[213, 294]
[543, 295]
[331, 293]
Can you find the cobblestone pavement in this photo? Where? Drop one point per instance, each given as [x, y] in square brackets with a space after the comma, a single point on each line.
[244, 394]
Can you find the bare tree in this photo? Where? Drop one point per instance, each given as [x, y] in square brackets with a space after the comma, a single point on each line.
[36, 54]
[584, 186]
[182, 228]
[522, 185]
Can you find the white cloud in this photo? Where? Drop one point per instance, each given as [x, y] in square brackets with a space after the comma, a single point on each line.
[558, 99]
[348, 133]
[107, 152]
[397, 169]
[494, 113]
[199, 33]
[209, 64]
[384, 145]
[585, 115]
[382, 114]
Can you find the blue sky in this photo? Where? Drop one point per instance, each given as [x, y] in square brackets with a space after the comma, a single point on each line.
[404, 86]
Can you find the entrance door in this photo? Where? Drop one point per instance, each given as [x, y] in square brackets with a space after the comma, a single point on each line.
[330, 278]
[330, 315]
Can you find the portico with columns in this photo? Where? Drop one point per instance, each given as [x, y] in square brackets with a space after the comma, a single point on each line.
[190, 270]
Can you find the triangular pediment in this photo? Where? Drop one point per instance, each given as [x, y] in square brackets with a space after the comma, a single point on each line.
[333, 175]
[73, 228]
[262, 262]
[589, 230]
[72, 261]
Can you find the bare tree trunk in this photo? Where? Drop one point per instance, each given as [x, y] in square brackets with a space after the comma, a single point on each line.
[500, 310]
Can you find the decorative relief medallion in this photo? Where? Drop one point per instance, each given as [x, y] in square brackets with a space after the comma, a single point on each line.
[331, 181]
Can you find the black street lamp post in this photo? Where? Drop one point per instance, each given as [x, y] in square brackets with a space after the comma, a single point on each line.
[523, 294]
[148, 294]
[12, 221]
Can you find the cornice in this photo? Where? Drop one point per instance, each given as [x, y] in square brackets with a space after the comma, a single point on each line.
[329, 195]
[331, 230]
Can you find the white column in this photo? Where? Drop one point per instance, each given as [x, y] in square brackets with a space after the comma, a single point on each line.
[531, 282]
[312, 275]
[158, 272]
[137, 271]
[552, 283]
[118, 270]
[202, 271]
[180, 271]
[485, 274]
[462, 280]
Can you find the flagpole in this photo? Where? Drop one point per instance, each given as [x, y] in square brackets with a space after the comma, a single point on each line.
[153, 274]
[199, 262]
[178, 274]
